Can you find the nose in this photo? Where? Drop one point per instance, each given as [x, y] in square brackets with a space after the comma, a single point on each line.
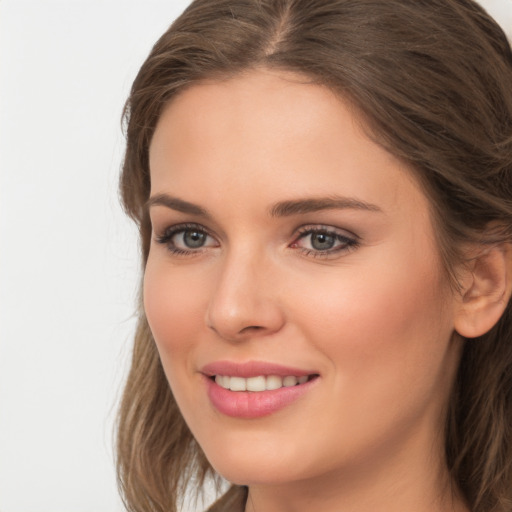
[245, 302]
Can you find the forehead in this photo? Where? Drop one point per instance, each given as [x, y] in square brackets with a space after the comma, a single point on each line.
[273, 134]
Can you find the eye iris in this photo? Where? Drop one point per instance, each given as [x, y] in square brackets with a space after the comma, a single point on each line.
[322, 241]
[194, 239]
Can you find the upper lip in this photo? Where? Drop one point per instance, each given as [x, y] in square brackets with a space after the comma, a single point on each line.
[252, 369]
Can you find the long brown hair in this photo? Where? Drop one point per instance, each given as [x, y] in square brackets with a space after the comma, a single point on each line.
[432, 80]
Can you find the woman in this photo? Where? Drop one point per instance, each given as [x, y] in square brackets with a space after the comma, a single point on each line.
[323, 191]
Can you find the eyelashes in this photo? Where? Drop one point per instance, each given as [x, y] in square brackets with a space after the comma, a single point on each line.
[313, 240]
[184, 239]
[322, 241]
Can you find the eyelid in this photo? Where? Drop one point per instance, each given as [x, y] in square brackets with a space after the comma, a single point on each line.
[182, 226]
[308, 228]
[345, 240]
[165, 238]
[349, 241]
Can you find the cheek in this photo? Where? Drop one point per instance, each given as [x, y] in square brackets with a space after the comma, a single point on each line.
[174, 306]
[383, 329]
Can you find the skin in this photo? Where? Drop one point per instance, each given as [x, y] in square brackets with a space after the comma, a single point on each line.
[375, 320]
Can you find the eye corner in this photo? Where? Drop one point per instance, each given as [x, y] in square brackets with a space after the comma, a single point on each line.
[324, 241]
[199, 239]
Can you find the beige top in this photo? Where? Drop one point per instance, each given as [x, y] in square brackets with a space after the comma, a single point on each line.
[232, 501]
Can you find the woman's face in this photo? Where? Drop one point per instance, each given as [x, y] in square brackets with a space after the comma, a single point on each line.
[292, 255]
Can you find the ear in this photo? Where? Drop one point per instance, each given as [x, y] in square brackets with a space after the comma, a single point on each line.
[486, 289]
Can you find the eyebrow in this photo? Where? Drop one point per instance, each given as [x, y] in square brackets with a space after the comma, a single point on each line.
[174, 203]
[281, 209]
[302, 206]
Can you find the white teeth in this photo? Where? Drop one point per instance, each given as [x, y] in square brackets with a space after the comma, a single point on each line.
[289, 381]
[274, 382]
[237, 384]
[256, 383]
[259, 383]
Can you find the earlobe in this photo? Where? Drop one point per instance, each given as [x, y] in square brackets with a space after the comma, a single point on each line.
[486, 289]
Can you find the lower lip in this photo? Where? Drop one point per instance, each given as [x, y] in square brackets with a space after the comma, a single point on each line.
[247, 404]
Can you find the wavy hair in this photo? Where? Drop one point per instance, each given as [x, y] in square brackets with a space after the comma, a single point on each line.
[432, 80]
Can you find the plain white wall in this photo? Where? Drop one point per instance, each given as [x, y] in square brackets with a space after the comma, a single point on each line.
[68, 257]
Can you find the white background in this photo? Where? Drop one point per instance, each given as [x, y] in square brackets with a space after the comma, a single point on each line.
[68, 257]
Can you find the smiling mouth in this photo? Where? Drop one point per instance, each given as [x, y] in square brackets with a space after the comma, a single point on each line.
[261, 382]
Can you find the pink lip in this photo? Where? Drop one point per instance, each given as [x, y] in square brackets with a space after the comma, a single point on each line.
[247, 404]
[252, 369]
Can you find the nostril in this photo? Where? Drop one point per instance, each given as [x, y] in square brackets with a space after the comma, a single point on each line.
[250, 328]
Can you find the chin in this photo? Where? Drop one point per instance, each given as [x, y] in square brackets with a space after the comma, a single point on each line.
[253, 473]
[269, 460]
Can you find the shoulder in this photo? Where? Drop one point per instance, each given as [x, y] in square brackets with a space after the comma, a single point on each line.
[231, 501]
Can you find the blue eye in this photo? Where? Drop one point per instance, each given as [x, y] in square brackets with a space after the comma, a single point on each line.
[322, 241]
[319, 241]
[192, 239]
[186, 239]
